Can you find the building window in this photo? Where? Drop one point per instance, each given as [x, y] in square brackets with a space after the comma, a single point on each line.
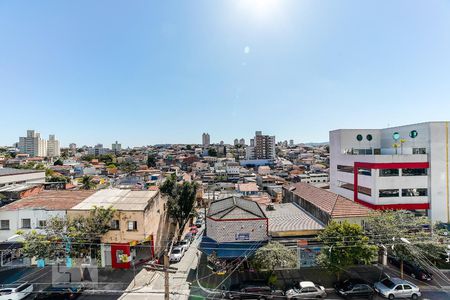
[414, 172]
[389, 172]
[115, 225]
[132, 225]
[419, 151]
[42, 223]
[366, 172]
[389, 193]
[414, 192]
[26, 223]
[346, 169]
[4, 224]
[361, 189]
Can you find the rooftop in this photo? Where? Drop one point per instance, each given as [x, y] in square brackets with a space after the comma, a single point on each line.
[290, 217]
[12, 171]
[118, 199]
[335, 205]
[49, 200]
[235, 208]
[247, 187]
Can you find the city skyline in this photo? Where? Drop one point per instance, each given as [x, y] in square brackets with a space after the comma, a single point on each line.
[150, 73]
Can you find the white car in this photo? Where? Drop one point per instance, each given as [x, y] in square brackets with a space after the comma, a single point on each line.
[17, 292]
[177, 254]
[306, 290]
[392, 288]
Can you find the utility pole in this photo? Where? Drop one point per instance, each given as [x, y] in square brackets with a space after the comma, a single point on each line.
[166, 275]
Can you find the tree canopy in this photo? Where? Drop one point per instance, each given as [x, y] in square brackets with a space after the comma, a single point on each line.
[181, 200]
[274, 255]
[344, 245]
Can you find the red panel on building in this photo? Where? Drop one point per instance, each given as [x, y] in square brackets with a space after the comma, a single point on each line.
[118, 252]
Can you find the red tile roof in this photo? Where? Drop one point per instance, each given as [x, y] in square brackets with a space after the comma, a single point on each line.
[333, 204]
[50, 200]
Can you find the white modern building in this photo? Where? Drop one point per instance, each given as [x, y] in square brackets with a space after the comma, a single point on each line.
[32, 144]
[53, 149]
[404, 167]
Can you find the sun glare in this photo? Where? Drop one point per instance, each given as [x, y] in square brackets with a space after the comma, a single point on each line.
[260, 9]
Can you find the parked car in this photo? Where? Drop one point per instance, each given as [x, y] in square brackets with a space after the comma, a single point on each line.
[176, 254]
[60, 292]
[189, 236]
[252, 290]
[183, 244]
[350, 288]
[17, 292]
[392, 288]
[306, 290]
[194, 230]
[414, 270]
[198, 223]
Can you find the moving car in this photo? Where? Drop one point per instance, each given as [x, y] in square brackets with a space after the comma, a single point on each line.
[392, 288]
[306, 290]
[176, 254]
[351, 288]
[252, 290]
[17, 292]
[63, 292]
[414, 270]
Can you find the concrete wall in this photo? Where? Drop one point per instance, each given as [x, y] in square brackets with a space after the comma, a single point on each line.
[227, 231]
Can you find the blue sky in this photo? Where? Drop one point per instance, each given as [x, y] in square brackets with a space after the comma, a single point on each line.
[146, 72]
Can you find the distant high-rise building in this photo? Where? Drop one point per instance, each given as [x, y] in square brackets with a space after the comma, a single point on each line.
[261, 147]
[206, 140]
[236, 142]
[116, 147]
[53, 149]
[242, 142]
[97, 150]
[73, 147]
[32, 144]
[291, 143]
[221, 143]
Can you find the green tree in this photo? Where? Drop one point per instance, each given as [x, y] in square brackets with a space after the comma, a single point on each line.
[128, 167]
[87, 183]
[274, 255]
[188, 147]
[58, 162]
[151, 161]
[181, 200]
[212, 152]
[78, 235]
[107, 158]
[395, 228]
[344, 245]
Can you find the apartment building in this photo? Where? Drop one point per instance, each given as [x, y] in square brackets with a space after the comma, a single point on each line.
[32, 144]
[261, 147]
[53, 149]
[405, 167]
[206, 141]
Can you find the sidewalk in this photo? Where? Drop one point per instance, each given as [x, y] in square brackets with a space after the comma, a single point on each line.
[150, 284]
